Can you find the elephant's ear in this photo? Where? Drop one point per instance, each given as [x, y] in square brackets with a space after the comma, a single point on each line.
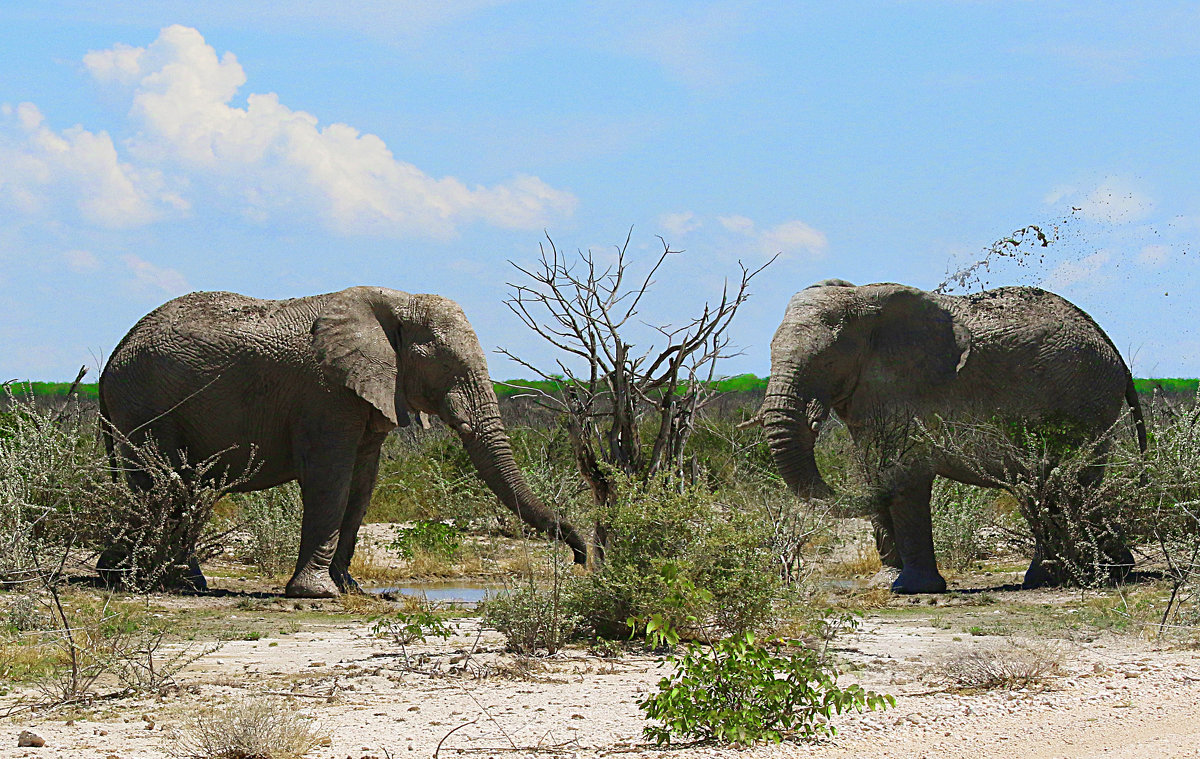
[355, 340]
[916, 332]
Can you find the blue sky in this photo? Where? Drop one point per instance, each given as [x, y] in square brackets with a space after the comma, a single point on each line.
[283, 149]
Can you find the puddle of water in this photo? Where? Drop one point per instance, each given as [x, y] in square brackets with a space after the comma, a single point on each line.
[440, 592]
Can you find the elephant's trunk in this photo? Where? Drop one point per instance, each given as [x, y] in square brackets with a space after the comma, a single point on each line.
[487, 444]
[791, 420]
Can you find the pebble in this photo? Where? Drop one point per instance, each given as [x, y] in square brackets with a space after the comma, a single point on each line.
[30, 740]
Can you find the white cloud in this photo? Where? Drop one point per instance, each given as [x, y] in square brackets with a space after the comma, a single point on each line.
[679, 224]
[41, 168]
[151, 277]
[1113, 201]
[794, 237]
[1154, 255]
[284, 162]
[739, 224]
[1071, 272]
[789, 238]
[1059, 193]
[1116, 202]
[81, 261]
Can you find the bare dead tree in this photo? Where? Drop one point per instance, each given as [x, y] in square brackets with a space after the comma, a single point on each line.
[620, 392]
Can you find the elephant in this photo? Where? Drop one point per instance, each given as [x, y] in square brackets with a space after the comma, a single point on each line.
[1015, 354]
[309, 388]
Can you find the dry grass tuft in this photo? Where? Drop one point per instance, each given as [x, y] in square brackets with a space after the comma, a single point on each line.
[1013, 665]
[248, 729]
[863, 561]
[363, 603]
[373, 563]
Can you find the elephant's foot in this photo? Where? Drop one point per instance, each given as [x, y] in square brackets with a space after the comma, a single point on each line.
[108, 566]
[1122, 566]
[884, 578]
[312, 585]
[1038, 576]
[194, 579]
[919, 581]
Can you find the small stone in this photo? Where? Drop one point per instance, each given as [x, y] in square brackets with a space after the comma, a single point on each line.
[414, 708]
[98, 731]
[29, 740]
[317, 664]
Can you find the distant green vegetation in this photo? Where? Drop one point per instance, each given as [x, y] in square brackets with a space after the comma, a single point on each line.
[737, 384]
[1170, 386]
[88, 390]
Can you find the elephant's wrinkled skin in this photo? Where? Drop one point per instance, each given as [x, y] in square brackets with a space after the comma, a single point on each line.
[312, 386]
[1015, 353]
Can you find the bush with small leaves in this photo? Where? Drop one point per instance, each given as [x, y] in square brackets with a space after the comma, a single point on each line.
[966, 523]
[52, 471]
[742, 690]
[532, 617]
[270, 526]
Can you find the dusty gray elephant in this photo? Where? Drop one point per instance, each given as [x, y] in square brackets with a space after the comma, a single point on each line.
[314, 385]
[1015, 353]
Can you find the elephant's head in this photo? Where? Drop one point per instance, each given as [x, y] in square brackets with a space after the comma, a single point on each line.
[842, 346]
[403, 352]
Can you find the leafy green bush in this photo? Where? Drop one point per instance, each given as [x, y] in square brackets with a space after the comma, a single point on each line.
[437, 538]
[664, 532]
[407, 627]
[742, 690]
[427, 475]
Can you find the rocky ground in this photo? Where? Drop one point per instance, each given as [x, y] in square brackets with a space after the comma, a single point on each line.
[1099, 693]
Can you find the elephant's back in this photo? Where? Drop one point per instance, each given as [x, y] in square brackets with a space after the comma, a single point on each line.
[1060, 359]
[198, 339]
[202, 323]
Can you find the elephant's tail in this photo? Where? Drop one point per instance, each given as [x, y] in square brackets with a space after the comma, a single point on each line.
[1135, 409]
[105, 432]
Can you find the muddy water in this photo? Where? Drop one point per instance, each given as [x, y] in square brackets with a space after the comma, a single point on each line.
[441, 592]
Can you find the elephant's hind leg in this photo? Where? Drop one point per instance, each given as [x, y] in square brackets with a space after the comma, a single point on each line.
[362, 484]
[913, 525]
[325, 486]
[885, 541]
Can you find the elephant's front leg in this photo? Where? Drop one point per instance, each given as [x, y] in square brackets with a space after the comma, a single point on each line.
[913, 526]
[362, 484]
[325, 479]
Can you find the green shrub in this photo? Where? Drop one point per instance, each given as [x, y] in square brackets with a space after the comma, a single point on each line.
[742, 690]
[53, 473]
[427, 475]
[436, 538]
[664, 532]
